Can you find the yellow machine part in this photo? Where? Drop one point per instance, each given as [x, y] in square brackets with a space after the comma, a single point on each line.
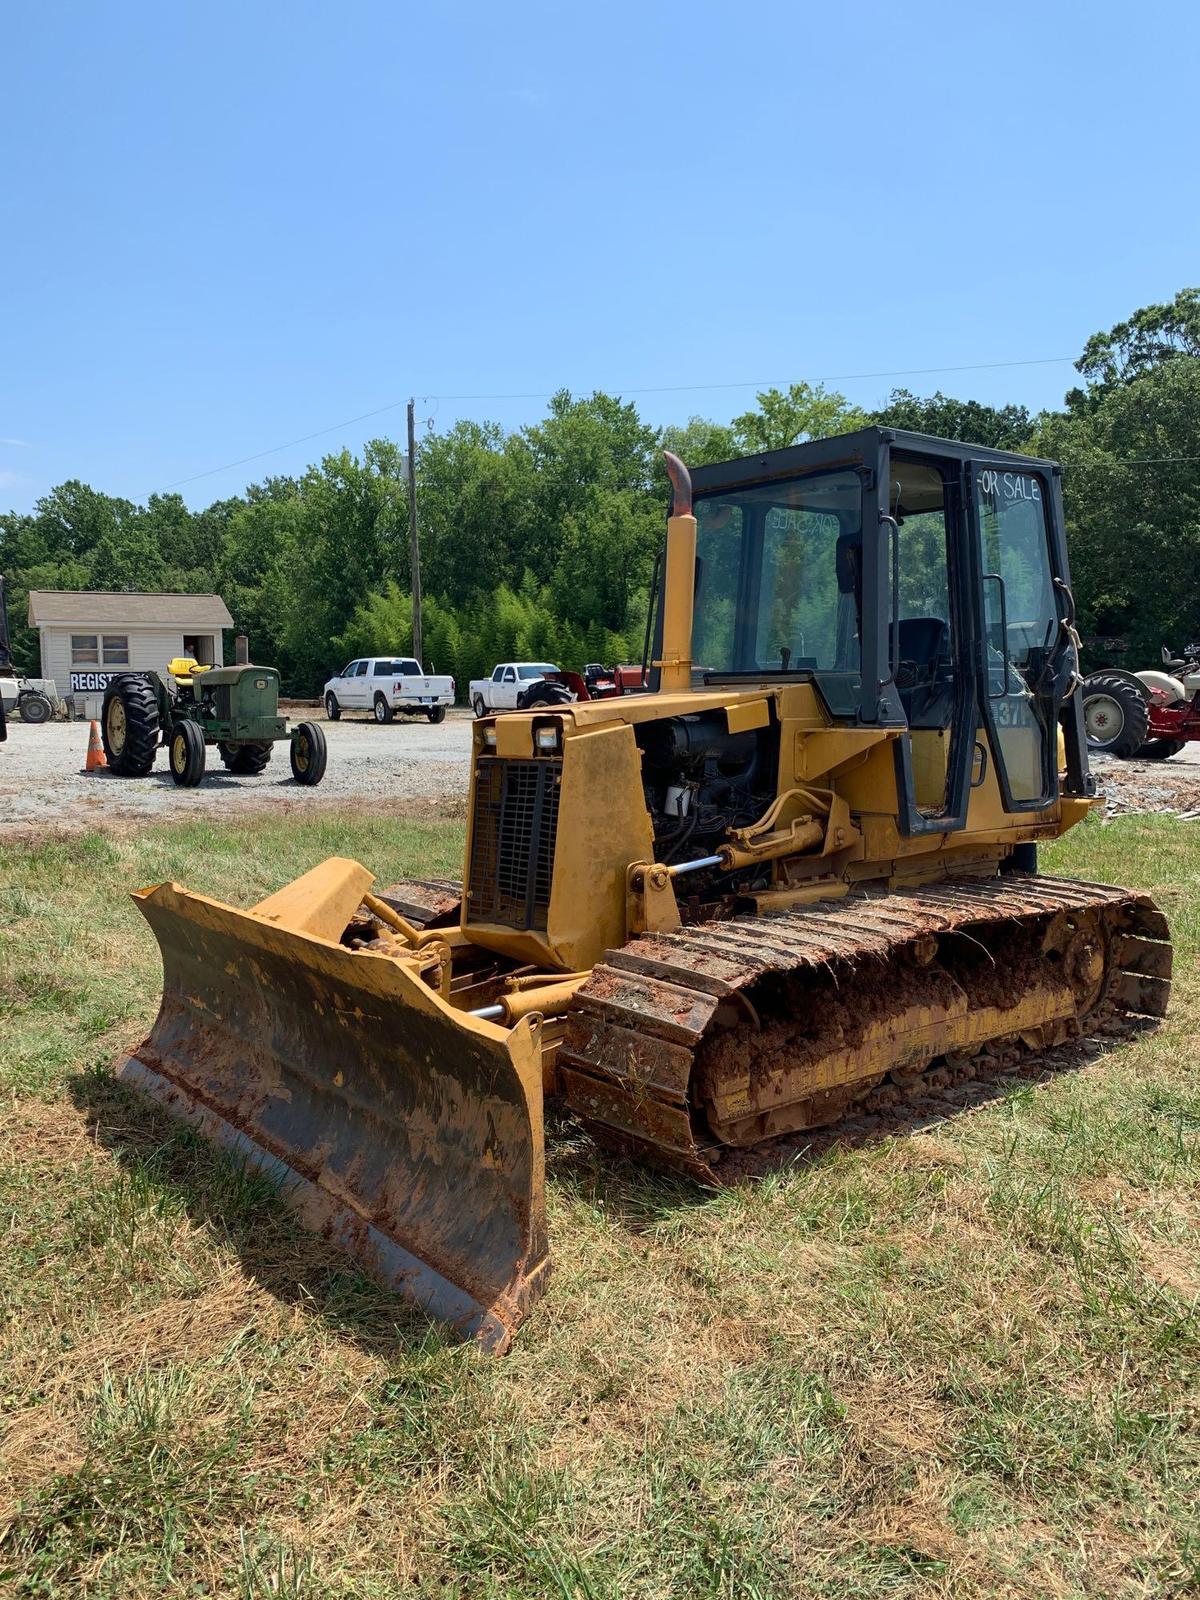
[395, 1089]
[182, 668]
[407, 1132]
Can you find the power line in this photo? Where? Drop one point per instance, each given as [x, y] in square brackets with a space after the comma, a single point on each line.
[392, 405]
[774, 383]
[669, 388]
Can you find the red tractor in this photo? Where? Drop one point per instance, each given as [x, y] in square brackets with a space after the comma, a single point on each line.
[595, 682]
[1150, 715]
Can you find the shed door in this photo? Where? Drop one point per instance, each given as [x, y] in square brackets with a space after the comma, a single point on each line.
[200, 647]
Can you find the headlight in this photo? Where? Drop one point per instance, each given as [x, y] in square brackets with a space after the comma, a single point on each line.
[488, 738]
[547, 738]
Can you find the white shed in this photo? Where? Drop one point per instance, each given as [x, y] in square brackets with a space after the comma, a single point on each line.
[87, 636]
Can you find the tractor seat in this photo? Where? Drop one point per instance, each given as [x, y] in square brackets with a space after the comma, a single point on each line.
[922, 639]
[182, 668]
[923, 675]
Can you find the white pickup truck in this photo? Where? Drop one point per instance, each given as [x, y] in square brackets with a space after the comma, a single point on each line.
[508, 686]
[384, 685]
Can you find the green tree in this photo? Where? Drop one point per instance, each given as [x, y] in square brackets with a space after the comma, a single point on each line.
[805, 411]
[346, 533]
[1149, 338]
[997, 427]
[697, 443]
[1131, 487]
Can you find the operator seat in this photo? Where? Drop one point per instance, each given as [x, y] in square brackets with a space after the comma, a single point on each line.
[924, 670]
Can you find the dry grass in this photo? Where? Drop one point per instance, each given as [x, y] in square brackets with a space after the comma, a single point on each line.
[961, 1362]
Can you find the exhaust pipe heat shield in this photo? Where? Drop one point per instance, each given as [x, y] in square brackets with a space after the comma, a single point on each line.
[403, 1130]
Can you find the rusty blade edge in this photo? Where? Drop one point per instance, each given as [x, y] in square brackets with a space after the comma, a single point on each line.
[387, 1262]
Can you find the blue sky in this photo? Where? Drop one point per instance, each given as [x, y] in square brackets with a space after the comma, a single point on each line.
[226, 226]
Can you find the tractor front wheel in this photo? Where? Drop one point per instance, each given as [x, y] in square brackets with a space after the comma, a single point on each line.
[129, 726]
[187, 753]
[1116, 718]
[245, 760]
[309, 753]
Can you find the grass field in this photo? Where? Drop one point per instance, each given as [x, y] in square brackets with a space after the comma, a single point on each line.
[960, 1362]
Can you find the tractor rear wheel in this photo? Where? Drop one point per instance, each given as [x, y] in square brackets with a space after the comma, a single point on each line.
[1160, 749]
[1116, 718]
[129, 726]
[308, 753]
[187, 753]
[245, 760]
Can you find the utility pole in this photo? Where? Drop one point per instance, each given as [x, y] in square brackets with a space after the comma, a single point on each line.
[414, 548]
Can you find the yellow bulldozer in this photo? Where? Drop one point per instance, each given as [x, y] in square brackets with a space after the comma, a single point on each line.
[794, 878]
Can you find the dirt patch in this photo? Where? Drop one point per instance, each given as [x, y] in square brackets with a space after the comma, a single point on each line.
[1170, 787]
[44, 793]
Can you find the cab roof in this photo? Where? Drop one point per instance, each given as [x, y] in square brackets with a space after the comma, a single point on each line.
[852, 450]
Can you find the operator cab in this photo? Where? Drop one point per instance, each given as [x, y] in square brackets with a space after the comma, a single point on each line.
[914, 582]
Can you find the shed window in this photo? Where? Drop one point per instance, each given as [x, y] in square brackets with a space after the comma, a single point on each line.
[116, 649]
[84, 649]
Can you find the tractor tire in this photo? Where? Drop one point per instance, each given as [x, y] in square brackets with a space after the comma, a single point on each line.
[1116, 718]
[308, 753]
[332, 710]
[129, 726]
[34, 707]
[436, 714]
[383, 711]
[1160, 749]
[187, 753]
[246, 760]
[545, 694]
[478, 707]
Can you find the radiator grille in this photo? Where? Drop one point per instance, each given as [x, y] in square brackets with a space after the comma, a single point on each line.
[512, 840]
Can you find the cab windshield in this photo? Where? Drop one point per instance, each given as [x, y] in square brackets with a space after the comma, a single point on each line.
[778, 582]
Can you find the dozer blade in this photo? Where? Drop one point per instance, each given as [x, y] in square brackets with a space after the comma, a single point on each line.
[401, 1129]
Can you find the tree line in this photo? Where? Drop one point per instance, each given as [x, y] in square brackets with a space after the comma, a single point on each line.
[539, 542]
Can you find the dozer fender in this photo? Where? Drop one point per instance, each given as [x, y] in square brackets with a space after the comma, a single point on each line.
[405, 1131]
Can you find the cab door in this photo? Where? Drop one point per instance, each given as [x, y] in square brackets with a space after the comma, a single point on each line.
[928, 639]
[1021, 644]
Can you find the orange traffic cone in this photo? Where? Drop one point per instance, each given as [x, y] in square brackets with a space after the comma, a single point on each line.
[95, 755]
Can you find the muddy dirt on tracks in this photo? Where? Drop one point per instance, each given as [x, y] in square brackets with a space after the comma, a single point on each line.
[412, 765]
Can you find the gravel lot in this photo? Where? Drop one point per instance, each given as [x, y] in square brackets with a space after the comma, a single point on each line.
[409, 765]
[44, 790]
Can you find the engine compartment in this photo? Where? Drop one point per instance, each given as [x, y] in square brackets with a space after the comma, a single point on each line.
[700, 780]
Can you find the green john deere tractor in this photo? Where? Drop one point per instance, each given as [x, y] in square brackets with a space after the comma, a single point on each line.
[235, 708]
